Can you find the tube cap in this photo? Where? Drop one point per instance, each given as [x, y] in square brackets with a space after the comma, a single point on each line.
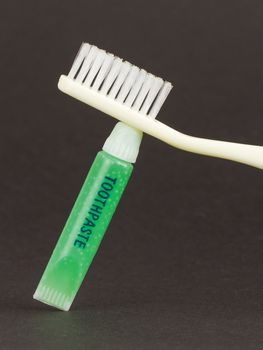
[124, 142]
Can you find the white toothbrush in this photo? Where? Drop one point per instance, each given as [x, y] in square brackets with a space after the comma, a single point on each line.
[93, 73]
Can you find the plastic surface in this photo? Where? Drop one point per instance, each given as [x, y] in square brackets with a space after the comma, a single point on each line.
[83, 231]
[247, 154]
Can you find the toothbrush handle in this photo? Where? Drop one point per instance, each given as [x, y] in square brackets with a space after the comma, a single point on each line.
[242, 153]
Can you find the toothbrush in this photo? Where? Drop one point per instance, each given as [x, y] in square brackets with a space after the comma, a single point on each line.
[128, 112]
[134, 97]
[119, 83]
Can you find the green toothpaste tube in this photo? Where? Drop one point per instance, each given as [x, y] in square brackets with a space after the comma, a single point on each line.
[89, 218]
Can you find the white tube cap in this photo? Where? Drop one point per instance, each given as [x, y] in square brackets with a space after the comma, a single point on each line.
[124, 142]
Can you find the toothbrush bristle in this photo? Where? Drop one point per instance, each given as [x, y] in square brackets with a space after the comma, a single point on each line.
[109, 75]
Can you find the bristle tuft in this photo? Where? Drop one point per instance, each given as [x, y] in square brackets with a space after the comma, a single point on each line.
[119, 80]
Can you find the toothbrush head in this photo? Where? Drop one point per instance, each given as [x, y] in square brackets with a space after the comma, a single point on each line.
[114, 86]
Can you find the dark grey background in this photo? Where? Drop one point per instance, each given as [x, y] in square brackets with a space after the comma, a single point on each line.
[181, 264]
